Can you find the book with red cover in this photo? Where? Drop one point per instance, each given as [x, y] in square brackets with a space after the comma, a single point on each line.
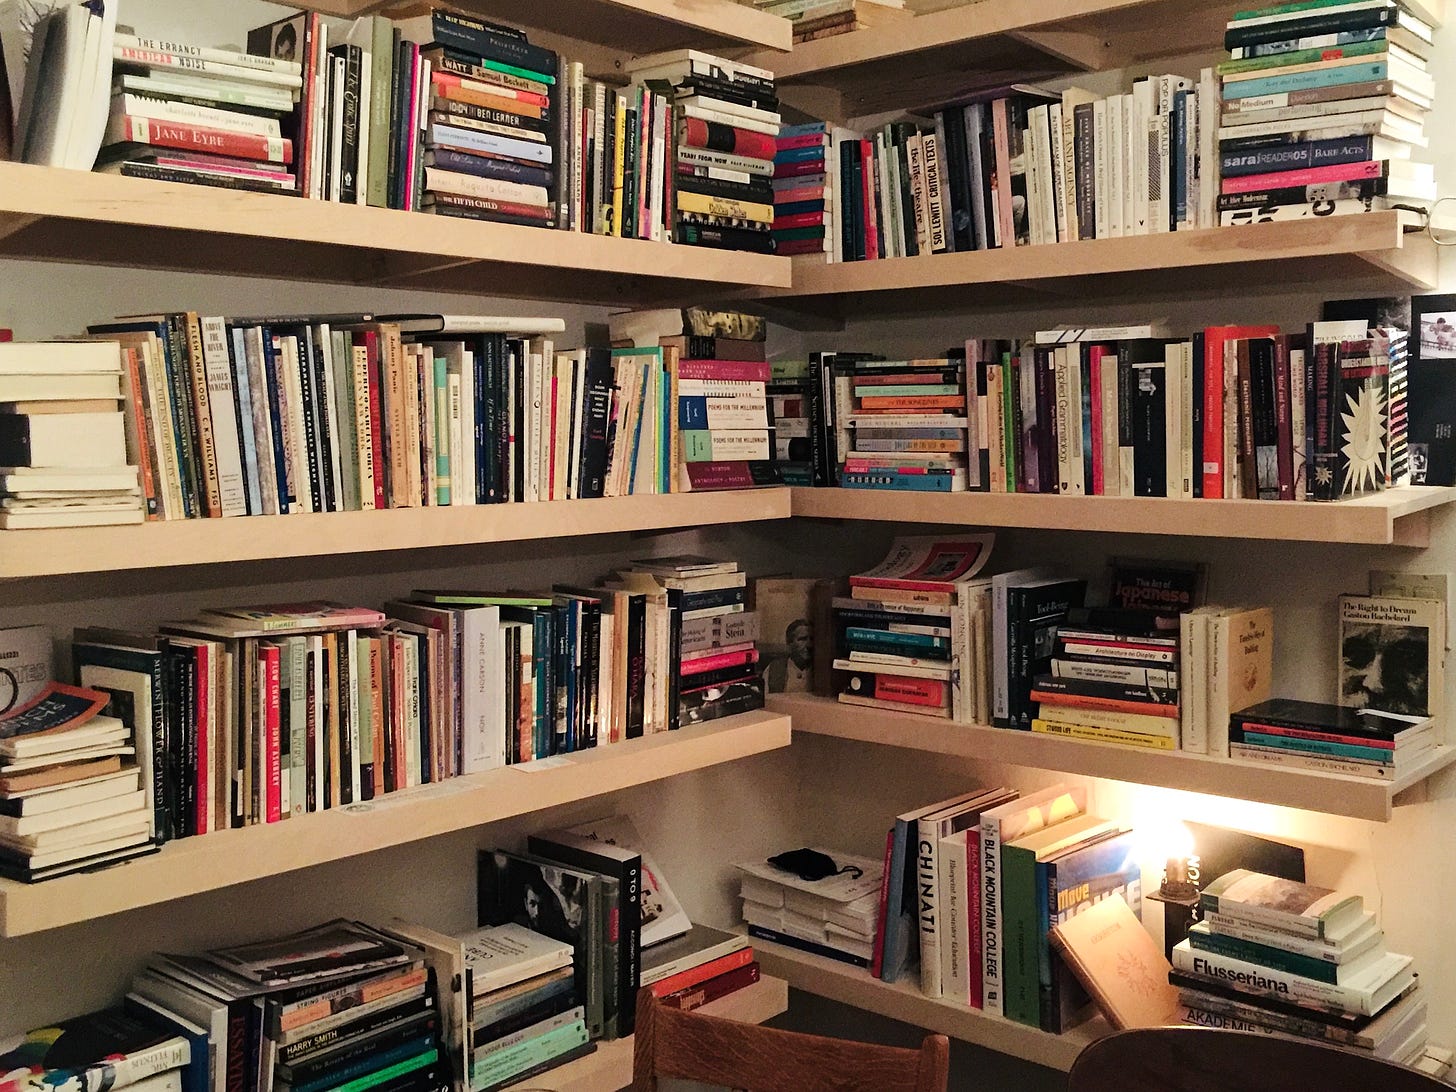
[131, 129]
[697, 133]
[1214, 340]
[694, 997]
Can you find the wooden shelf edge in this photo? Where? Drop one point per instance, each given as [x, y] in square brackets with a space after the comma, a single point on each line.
[610, 1065]
[1397, 517]
[61, 551]
[1307, 790]
[193, 866]
[903, 1001]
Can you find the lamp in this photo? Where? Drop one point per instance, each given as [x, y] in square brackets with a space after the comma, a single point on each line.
[1178, 891]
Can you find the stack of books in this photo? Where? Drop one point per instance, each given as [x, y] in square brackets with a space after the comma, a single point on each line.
[831, 916]
[336, 1004]
[905, 635]
[1109, 685]
[791, 393]
[814, 19]
[525, 1013]
[1322, 108]
[64, 440]
[1275, 955]
[907, 424]
[699, 968]
[136, 1046]
[726, 127]
[490, 94]
[71, 795]
[716, 673]
[214, 117]
[1331, 738]
[803, 197]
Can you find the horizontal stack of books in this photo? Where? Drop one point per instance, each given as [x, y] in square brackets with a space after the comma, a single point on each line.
[1244, 412]
[1322, 108]
[71, 793]
[1331, 738]
[803, 196]
[713, 635]
[815, 19]
[66, 459]
[723, 133]
[907, 424]
[138, 1046]
[905, 637]
[1290, 958]
[831, 916]
[1022, 165]
[336, 1005]
[214, 117]
[525, 1014]
[699, 968]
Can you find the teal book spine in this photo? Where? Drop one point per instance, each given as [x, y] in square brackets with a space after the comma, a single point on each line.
[1321, 746]
[890, 479]
[501, 1065]
[1018, 923]
[889, 637]
[907, 390]
[442, 431]
[1364, 72]
[1275, 958]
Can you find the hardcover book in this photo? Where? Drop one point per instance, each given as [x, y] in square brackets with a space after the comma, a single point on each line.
[1392, 652]
[1118, 963]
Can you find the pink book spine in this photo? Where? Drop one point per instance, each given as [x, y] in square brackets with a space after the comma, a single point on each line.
[204, 787]
[749, 371]
[269, 656]
[716, 663]
[973, 914]
[803, 140]
[727, 475]
[1099, 486]
[1310, 176]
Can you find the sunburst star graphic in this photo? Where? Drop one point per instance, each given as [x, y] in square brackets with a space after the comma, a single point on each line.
[1364, 448]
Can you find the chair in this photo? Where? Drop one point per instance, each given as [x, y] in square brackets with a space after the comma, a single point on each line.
[694, 1047]
[1188, 1059]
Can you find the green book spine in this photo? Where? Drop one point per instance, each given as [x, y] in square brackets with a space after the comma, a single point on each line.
[442, 431]
[381, 86]
[1008, 412]
[501, 1065]
[1263, 954]
[297, 772]
[389, 1073]
[1018, 925]
[1300, 56]
[512, 70]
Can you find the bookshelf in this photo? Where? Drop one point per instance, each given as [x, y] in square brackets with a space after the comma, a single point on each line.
[1396, 517]
[903, 1001]
[51, 214]
[939, 55]
[191, 866]
[610, 1065]
[1331, 794]
[1134, 268]
[335, 534]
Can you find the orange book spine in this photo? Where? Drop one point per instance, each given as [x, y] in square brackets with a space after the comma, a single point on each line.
[916, 401]
[490, 102]
[1082, 701]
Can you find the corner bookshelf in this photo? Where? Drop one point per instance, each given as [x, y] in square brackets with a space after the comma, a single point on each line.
[52, 214]
[1330, 794]
[903, 1001]
[224, 858]
[1383, 245]
[1395, 517]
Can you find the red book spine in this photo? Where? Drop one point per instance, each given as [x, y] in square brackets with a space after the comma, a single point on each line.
[694, 976]
[725, 475]
[718, 662]
[798, 170]
[803, 140]
[713, 989]
[376, 424]
[910, 691]
[1310, 176]
[490, 204]
[877, 957]
[790, 247]
[798, 220]
[747, 371]
[1282, 418]
[1054, 699]
[1094, 358]
[1309, 733]
[447, 79]
[169, 134]
[269, 654]
[697, 133]
[1212, 394]
[975, 972]
[872, 223]
[143, 434]
[802, 193]
[204, 782]
[7, 335]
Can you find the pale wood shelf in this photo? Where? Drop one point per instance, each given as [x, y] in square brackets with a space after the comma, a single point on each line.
[1334, 250]
[51, 214]
[940, 55]
[1396, 517]
[1332, 794]
[637, 26]
[61, 551]
[903, 1001]
[191, 866]
[610, 1065]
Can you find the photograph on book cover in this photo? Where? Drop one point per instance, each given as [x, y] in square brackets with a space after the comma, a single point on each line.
[1384, 667]
[786, 623]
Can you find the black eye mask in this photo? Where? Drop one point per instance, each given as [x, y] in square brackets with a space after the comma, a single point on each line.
[811, 865]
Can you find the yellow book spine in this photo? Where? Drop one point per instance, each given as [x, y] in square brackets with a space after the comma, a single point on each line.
[1103, 735]
[724, 206]
[619, 165]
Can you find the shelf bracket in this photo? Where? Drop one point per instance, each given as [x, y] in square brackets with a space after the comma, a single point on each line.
[1088, 52]
[16, 224]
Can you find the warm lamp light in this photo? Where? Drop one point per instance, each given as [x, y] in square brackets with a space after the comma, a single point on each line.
[1173, 843]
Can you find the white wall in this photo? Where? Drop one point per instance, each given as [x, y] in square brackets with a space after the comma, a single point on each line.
[825, 791]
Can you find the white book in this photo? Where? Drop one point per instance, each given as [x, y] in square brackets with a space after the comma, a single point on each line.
[25, 826]
[1104, 199]
[1062, 230]
[1193, 648]
[502, 955]
[72, 440]
[1174, 397]
[1365, 995]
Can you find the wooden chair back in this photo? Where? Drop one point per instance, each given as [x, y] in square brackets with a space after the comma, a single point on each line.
[1188, 1059]
[694, 1047]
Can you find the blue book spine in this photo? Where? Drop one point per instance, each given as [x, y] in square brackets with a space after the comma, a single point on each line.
[486, 142]
[799, 155]
[794, 208]
[1178, 210]
[1363, 72]
[276, 411]
[891, 479]
[238, 357]
[1295, 157]
[1320, 747]
[450, 159]
[890, 637]
[787, 941]
[811, 128]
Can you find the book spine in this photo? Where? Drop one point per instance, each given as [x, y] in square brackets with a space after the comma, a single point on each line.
[1264, 955]
[1262, 981]
[696, 997]
[927, 912]
[991, 927]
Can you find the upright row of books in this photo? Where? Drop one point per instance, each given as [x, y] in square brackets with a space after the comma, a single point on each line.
[1323, 107]
[245, 716]
[431, 110]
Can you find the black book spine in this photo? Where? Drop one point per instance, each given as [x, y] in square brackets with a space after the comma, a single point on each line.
[1200, 378]
[1361, 189]
[189, 442]
[399, 132]
[1266, 420]
[309, 1071]
[1150, 437]
[598, 405]
[349, 159]
[1045, 480]
[713, 703]
[1288, 30]
[723, 238]
[501, 396]
[1324, 458]
[312, 773]
[428, 711]
[675, 608]
[487, 452]
[347, 696]
[907, 198]
[517, 410]
[564, 671]
[1085, 149]
[309, 438]
[631, 151]
[187, 771]
[1084, 411]
[987, 176]
[470, 110]
[480, 366]
[1125, 430]
[958, 165]
[591, 655]
[636, 665]
[757, 190]
[494, 43]
[280, 460]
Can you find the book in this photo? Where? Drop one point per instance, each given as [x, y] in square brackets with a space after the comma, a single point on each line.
[1366, 995]
[1392, 654]
[1287, 905]
[111, 1048]
[1118, 963]
[662, 915]
[498, 956]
